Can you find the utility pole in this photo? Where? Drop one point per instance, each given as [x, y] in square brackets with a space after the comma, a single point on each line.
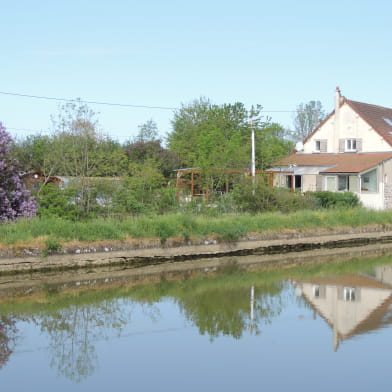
[253, 158]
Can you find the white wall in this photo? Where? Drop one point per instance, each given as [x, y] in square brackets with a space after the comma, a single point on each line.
[351, 125]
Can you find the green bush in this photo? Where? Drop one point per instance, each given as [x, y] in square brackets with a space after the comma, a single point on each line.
[259, 197]
[326, 199]
[56, 202]
[51, 246]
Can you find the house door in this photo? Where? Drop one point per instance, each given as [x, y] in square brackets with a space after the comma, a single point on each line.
[298, 182]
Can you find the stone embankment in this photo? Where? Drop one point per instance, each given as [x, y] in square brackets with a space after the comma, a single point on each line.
[271, 251]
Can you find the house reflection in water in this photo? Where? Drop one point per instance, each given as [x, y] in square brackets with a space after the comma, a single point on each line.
[350, 304]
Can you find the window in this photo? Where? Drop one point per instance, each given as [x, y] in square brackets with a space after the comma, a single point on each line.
[317, 145]
[369, 181]
[342, 183]
[351, 145]
[318, 291]
[349, 294]
[348, 183]
[331, 184]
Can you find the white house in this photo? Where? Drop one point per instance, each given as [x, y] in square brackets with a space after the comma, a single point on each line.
[350, 304]
[351, 150]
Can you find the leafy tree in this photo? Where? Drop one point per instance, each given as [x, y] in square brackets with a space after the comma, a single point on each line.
[147, 132]
[308, 117]
[34, 153]
[141, 191]
[206, 135]
[109, 159]
[141, 152]
[15, 201]
[82, 152]
[271, 144]
[54, 201]
[75, 139]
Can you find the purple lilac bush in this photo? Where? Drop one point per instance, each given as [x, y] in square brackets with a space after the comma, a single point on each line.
[15, 201]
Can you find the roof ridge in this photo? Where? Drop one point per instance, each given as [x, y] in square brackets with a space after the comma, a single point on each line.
[368, 104]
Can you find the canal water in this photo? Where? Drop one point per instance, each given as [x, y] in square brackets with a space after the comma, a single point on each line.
[319, 327]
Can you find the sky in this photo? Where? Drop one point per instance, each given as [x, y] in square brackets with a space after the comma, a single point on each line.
[168, 53]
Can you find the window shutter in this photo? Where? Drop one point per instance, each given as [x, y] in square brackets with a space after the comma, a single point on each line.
[323, 145]
[342, 146]
[340, 292]
[319, 183]
[359, 145]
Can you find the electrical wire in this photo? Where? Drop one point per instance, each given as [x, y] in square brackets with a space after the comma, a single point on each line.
[115, 104]
[89, 102]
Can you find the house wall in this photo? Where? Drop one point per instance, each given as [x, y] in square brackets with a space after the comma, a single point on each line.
[346, 315]
[386, 183]
[350, 126]
[374, 201]
[279, 180]
[309, 183]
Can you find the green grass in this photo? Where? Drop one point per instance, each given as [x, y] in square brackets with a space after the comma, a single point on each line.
[225, 227]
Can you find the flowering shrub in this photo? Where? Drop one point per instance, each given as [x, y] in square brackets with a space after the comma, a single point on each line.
[15, 201]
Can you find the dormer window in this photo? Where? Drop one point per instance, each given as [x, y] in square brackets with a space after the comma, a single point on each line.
[351, 145]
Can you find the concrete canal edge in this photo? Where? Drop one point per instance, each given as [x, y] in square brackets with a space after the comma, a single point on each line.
[257, 251]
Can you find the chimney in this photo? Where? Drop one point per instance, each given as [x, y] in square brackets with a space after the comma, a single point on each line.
[336, 128]
[338, 99]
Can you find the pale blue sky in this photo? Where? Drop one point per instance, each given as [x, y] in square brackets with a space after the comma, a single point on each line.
[164, 53]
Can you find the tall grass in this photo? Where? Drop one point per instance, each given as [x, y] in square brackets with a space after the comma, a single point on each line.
[225, 227]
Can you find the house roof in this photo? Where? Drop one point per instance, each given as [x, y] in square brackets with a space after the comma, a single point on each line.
[378, 117]
[337, 163]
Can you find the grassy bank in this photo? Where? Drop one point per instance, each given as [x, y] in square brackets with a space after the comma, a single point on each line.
[53, 232]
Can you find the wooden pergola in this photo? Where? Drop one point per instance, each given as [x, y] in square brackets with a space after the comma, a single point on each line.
[195, 186]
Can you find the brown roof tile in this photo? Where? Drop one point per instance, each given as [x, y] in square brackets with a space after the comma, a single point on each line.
[337, 163]
[378, 117]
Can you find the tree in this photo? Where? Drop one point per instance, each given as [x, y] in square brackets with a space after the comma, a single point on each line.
[15, 201]
[147, 132]
[308, 117]
[34, 153]
[271, 144]
[141, 191]
[206, 135]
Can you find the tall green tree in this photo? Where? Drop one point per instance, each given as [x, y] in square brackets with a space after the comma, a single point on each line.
[206, 135]
[308, 117]
[34, 153]
[148, 131]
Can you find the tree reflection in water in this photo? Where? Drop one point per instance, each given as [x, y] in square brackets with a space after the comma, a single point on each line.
[231, 311]
[73, 332]
[7, 338]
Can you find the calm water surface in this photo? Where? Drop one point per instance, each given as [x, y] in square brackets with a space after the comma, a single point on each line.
[320, 328]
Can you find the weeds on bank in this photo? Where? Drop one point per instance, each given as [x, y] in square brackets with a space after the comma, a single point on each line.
[225, 228]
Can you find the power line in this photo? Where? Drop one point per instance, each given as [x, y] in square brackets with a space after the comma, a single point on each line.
[115, 104]
[89, 102]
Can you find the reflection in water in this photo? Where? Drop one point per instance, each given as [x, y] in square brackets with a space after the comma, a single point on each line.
[227, 304]
[350, 304]
[74, 330]
[226, 311]
[7, 338]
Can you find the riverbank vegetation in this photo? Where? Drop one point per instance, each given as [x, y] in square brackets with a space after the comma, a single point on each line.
[117, 193]
[176, 229]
